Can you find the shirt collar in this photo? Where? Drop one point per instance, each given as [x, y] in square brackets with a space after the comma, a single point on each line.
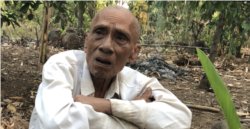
[87, 86]
[113, 90]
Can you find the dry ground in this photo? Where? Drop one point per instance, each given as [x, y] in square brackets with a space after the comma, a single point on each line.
[21, 76]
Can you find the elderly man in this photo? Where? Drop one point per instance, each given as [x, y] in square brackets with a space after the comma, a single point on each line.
[94, 89]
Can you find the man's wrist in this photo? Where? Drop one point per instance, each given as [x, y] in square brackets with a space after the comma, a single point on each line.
[109, 110]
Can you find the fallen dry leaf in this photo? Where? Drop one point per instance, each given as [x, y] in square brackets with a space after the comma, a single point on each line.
[182, 88]
[244, 101]
[237, 74]
[243, 114]
[8, 124]
[3, 92]
[231, 85]
[169, 62]
[11, 107]
[18, 98]
[237, 83]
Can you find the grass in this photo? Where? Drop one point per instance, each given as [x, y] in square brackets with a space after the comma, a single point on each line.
[19, 32]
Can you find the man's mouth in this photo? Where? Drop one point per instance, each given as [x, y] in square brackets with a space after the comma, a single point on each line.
[103, 61]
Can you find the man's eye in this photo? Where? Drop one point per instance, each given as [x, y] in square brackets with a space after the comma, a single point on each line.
[121, 38]
[99, 32]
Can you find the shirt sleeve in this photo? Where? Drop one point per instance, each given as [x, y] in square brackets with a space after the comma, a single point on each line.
[56, 109]
[166, 112]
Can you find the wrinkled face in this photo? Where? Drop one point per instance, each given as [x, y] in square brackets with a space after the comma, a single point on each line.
[111, 42]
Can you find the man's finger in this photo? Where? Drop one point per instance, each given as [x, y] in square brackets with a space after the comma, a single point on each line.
[147, 93]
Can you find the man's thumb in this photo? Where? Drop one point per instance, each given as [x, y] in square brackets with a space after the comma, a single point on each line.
[147, 93]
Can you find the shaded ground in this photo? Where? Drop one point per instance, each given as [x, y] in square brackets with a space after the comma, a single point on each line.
[21, 76]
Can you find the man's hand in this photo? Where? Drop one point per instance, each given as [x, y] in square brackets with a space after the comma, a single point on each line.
[99, 105]
[146, 96]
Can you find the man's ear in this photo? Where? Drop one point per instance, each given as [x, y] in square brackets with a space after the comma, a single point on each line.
[85, 42]
[135, 53]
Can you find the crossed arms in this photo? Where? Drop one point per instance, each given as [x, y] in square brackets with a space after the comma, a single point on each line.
[56, 108]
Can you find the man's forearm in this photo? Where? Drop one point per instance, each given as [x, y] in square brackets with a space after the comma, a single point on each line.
[99, 104]
[133, 111]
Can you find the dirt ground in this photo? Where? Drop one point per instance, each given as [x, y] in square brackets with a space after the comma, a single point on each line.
[21, 76]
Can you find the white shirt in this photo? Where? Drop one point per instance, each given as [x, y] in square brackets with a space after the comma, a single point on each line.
[66, 75]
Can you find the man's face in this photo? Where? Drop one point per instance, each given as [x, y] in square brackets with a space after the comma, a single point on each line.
[111, 42]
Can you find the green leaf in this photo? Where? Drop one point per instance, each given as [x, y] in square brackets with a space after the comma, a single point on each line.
[245, 25]
[17, 23]
[3, 19]
[13, 25]
[30, 16]
[62, 24]
[54, 5]
[36, 5]
[24, 8]
[58, 17]
[235, 12]
[15, 2]
[150, 2]
[220, 91]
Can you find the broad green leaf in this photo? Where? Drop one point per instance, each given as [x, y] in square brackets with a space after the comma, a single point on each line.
[235, 12]
[220, 91]
[3, 19]
[62, 24]
[36, 5]
[13, 25]
[30, 16]
[54, 5]
[245, 25]
[149, 2]
[15, 1]
[24, 8]
[58, 17]
[17, 23]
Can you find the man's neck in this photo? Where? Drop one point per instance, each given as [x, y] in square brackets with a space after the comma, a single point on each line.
[101, 85]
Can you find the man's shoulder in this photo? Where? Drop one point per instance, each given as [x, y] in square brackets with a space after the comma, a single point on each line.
[131, 76]
[68, 57]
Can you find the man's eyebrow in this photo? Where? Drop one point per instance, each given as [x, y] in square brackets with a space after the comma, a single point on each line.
[100, 27]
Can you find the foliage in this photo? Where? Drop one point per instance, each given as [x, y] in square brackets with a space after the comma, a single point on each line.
[237, 23]
[23, 7]
[220, 91]
[139, 10]
[11, 16]
[62, 31]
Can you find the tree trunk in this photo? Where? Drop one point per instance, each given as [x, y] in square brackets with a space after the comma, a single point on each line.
[80, 23]
[43, 48]
[37, 40]
[204, 84]
[171, 37]
[248, 60]
[238, 48]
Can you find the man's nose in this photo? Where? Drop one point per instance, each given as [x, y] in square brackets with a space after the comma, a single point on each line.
[107, 46]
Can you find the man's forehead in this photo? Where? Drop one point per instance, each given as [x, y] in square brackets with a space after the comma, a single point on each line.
[119, 15]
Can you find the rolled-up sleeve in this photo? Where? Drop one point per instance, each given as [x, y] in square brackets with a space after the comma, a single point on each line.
[56, 109]
[166, 112]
